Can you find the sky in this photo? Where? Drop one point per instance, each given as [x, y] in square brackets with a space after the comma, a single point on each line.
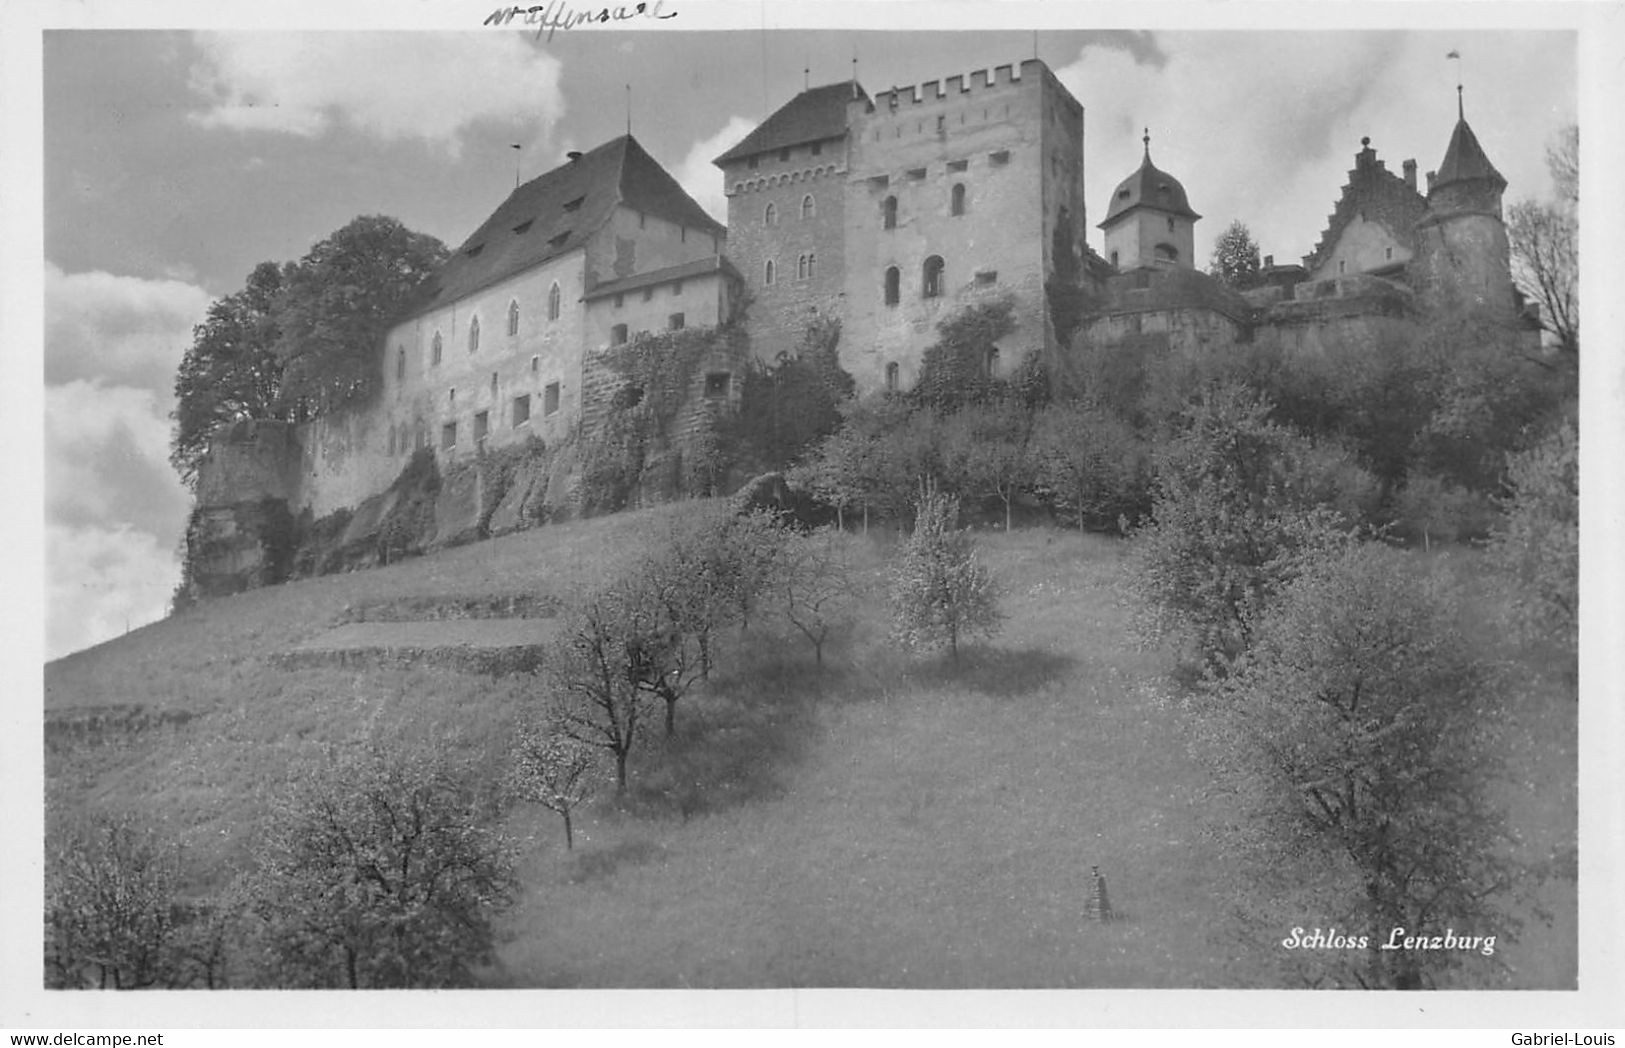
[174, 161]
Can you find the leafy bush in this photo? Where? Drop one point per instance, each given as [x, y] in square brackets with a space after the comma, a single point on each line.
[1377, 728]
[1088, 463]
[555, 771]
[953, 369]
[1536, 545]
[1430, 509]
[378, 872]
[939, 591]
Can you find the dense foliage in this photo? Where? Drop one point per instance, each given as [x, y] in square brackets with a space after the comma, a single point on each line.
[1377, 727]
[1536, 545]
[1235, 257]
[379, 872]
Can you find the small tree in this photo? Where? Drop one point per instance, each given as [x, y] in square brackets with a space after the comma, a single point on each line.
[555, 771]
[939, 591]
[379, 872]
[610, 645]
[1544, 239]
[1235, 257]
[1377, 727]
[1536, 546]
[816, 585]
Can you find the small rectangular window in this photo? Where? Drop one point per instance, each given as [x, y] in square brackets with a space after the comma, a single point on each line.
[958, 165]
[1000, 158]
[448, 436]
[648, 294]
[482, 425]
[572, 205]
[987, 276]
[521, 410]
[620, 300]
[535, 365]
[817, 148]
[524, 227]
[675, 322]
[784, 154]
[493, 383]
[550, 399]
[676, 288]
[617, 335]
[717, 383]
[751, 163]
[917, 174]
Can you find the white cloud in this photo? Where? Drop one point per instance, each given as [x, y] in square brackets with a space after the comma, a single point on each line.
[1264, 127]
[119, 329]
[107, 459]
[393, 85]
[702, 179]
[101, 581]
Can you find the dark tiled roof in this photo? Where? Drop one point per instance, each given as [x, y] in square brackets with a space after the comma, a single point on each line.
[1465, 159]
[1148, 187]
[812, 116]
[698, 267]
[1158, 288]
[556, 213]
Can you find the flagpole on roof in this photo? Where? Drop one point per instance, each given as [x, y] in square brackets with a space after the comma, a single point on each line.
[1461, 111]
[629, 110]
[518, 153]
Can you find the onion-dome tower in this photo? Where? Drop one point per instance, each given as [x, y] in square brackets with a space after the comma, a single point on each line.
[1149, 221]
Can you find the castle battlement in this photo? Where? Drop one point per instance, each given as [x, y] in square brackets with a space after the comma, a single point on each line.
[953, 89]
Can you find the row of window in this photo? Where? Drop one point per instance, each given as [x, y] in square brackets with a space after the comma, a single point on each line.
[956, 206]
[806, 268]
[809, 209]
[649, 293]
[520, 416]
[618, 335]
[437, 344]
[816, 149]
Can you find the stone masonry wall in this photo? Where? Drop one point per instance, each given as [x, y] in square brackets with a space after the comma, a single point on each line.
[916, 145]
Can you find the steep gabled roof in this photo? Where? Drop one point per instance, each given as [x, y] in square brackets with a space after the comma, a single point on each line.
[1465, 159]
[1377, 195]
[557, 213]
[812, 116]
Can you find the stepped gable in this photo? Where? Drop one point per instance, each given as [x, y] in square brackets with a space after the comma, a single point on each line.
[816, 114]
[1148, 187]
[557, 213]
[1375, 194]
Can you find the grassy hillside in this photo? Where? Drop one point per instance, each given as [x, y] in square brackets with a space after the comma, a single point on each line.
[887, 821]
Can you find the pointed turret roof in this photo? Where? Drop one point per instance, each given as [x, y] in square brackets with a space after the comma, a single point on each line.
[1148, 187]
[556, 213]
[1465, 159]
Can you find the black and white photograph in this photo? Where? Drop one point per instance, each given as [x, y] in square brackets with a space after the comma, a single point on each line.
[893, 497]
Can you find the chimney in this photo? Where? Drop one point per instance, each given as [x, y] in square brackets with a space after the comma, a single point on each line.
[1410, 174]
[1431, 176]
[574, 155]
[1269, 261]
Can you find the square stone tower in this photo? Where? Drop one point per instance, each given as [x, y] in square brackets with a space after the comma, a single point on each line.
[958, 192]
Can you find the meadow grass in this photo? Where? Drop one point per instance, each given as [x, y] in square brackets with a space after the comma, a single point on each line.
[888, 820]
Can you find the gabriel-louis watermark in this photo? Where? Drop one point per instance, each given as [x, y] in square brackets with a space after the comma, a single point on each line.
[1332, 939]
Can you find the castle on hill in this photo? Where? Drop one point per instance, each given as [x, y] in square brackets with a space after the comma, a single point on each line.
[889, 213]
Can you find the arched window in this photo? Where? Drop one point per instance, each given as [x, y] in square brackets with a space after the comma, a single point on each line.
[434, 349]
[888, 213]
[801, 267]
[990, 362]
[768, 273]
[808, 208]
[1166, 253]
[1170, 225]
[513, 318]
[956, 200]
[400, 362]
[1114, 260]
[894, 281]
[553, 302]
[474, 334]
[812, 265]
[891, 376]
[931, 283]
[770, 216]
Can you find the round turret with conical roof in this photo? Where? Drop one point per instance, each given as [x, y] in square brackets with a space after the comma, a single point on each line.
[1463, 261]
[1149, 221]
